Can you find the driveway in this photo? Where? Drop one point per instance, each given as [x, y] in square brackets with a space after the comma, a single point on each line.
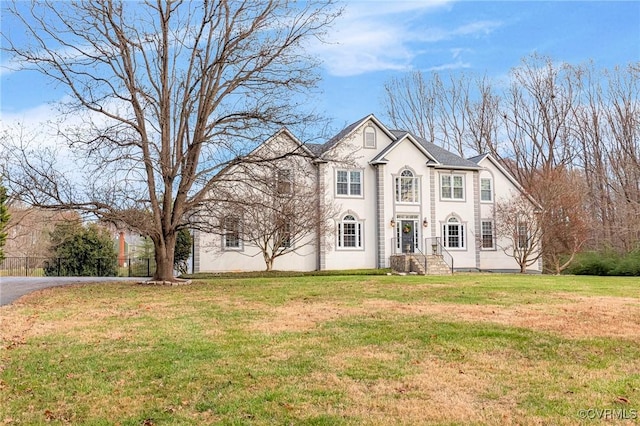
[12, 288]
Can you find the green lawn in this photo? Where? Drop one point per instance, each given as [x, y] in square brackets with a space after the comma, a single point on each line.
[327, 350]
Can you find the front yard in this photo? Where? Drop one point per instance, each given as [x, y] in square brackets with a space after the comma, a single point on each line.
[466, 349]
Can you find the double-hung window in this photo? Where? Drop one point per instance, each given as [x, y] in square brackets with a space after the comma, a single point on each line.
[407, 188]
[522, 235]
[486, 191]
[283, 234]
[284, 182]
[487, 234]
[349, 233]
[231, 233]
[349, 183]
[453, 234]
[452, 187]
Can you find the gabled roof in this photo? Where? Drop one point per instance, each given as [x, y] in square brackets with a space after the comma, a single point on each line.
[399, 136]
[436, 156]
[350, 129]
[480, 158]
[444, 158]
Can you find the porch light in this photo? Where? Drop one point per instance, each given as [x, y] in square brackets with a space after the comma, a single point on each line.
[392, 223]
[425, 223]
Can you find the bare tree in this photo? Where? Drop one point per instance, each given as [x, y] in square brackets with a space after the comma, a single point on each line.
[276, 208]
[564, 216]
[169, 91]
[623, 119]
[537, 111]
[519, 230]
[411, 104]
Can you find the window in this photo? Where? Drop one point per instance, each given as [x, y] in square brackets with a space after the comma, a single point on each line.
[486, 193]
[231, 233]
[349, 233]
[407, 187]
[523, 235]
[453, 233]
[452, 187]
[283, 181]
[349, 183]
[487, 234]
[369, 137]
[283, 234]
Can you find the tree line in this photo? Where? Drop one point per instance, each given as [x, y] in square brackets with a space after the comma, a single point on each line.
[570, 134]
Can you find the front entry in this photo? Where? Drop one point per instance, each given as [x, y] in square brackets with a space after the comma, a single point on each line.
[408, 236]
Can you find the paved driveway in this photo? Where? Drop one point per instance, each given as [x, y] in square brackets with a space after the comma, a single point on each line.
[12, 288]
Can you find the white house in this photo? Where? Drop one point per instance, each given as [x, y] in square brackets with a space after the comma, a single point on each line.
[391, 193]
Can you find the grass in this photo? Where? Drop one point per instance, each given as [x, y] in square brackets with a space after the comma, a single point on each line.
[324, 350]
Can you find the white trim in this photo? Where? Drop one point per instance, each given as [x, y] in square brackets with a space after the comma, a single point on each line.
[358, 232]
[452, 176]
[348, 183]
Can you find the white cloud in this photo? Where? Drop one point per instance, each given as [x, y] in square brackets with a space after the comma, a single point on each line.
[450, 66]
[384, 35]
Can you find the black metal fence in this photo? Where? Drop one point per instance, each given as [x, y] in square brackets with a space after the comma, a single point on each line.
[64, 267]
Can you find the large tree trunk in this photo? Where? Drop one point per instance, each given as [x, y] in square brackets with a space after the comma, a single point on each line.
[165, 253]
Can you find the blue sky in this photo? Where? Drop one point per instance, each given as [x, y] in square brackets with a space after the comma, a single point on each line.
[376, 40]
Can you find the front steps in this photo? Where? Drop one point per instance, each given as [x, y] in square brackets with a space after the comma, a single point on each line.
[415, 263]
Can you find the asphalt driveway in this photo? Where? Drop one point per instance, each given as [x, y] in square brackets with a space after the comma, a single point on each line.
[12, 288]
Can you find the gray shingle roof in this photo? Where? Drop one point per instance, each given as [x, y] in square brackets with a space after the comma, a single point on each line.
[442, 156]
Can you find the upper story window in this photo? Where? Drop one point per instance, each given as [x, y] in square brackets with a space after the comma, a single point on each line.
[486, 189]
[349, 233]
[231, 233]
[284, 183]
[349, 183]
[452, 187]
[369, 136]
[407, 187]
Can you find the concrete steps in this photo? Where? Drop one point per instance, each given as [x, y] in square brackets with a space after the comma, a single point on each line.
[415, 263]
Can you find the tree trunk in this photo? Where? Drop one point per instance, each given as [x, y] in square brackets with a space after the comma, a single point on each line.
[165, 253]
[269, 263]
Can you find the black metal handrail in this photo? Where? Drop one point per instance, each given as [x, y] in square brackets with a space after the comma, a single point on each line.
[437, 249]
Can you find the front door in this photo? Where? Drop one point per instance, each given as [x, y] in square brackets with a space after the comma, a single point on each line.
[407, 233]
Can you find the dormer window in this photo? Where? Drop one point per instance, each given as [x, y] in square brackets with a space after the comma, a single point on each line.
[369, 137]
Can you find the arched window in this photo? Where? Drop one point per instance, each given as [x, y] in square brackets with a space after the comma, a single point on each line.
[453, 233]
[349, 232]
[407, 187]
[369, 137]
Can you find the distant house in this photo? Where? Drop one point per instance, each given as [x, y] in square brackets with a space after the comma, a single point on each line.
[29, 230]
[395, 196]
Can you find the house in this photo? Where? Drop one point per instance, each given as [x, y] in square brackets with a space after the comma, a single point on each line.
[394, 197]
